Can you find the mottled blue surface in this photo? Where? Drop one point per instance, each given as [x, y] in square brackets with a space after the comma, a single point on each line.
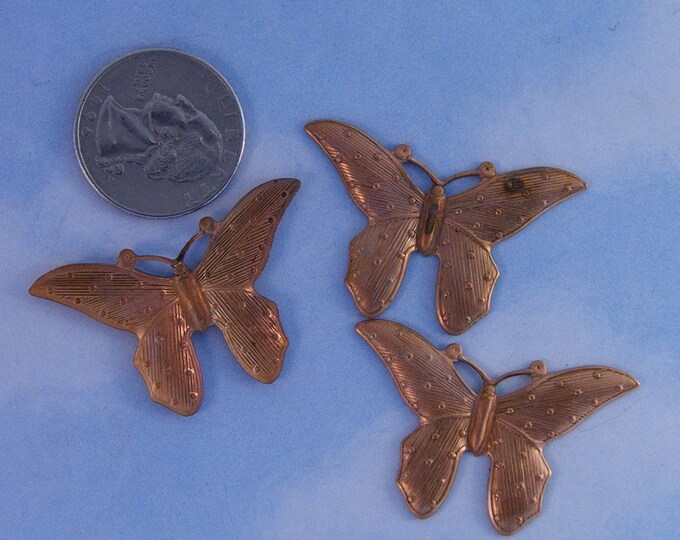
[591, 87]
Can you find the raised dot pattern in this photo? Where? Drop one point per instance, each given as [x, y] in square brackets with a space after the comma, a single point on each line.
[378, 258]
[166, 360]
[251, 326]
[517, 480]
[108, 293]
[378, 184]
[464, 283]
[241, 243]
[429, 460]
[424, 375]
[555, 404]
[510, 201]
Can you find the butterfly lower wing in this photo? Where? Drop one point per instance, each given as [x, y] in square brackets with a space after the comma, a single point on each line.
[167, 362]
[429, 460]
[374, 178]
[377, 262]
[423, 374]
[502, 205]
[466, 278]
[557, 402]
[518, 476]
[241, 242]
[251, 326]
[120, 297]
[431, 387]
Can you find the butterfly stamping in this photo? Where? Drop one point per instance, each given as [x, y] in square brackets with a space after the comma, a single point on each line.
[165, 312]
[511, 429]
[460, 230]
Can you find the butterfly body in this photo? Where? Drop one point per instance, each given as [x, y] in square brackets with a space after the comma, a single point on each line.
[164, 312]
[192, 300]
[482, 420]
[511, 428]
[460, 230]
[431, 221]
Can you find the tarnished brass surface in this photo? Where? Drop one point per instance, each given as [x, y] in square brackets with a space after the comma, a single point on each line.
[460, 230]
[511, 429]
[164, 312]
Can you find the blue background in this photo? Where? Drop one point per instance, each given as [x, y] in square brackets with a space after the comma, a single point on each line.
[590, 87]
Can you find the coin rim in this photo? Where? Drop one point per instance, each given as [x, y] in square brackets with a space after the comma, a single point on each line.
[81, 106]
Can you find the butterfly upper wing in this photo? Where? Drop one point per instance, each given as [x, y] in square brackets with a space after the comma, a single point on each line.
[167, 361]
[557, 402]
[146, 305]
[423, 374]
[374, 178]
[503, 204]
[466, 278]
[432, 389]
[121, 297]
[235, 257]
[379, 185]
[517, 479]
[241, 242]
[529, 418]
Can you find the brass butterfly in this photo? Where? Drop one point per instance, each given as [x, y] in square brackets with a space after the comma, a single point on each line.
[460, 230]
[165, 312]
[511, 429]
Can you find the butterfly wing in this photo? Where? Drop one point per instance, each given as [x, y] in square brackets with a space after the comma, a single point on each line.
[167, 362]
[374, 178]
[236, 255]
[377, 263]
[120, 297]
[517, 479]
[526, 421]
[466, 278]
[431, 387]
[557, 402]
[380, 187]
[252, 328]
[492, 211]
[429, 462]
[146, 305]
[503, 204]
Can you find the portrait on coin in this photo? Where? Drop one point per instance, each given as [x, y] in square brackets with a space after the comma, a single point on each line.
[168, 137]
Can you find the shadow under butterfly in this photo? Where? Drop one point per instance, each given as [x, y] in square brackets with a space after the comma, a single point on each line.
[459, 230]
[511, 429]
[164, 312]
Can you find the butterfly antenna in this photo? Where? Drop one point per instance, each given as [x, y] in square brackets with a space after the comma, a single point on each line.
[455, 353]
[536, 369]
[403, 153]
[485, 170]
[186, 247]
[464, 174]
[426, 170]
[157, 258]
[479, 370]
[205, 226]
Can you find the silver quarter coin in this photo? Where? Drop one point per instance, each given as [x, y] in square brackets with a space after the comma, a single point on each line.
[159, 133]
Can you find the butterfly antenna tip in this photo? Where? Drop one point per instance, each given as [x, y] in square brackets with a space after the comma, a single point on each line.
[454, 351]
[403, 152]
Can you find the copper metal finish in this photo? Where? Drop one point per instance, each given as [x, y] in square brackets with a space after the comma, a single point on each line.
[511, 429]
[460, 230]
[165, 312]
